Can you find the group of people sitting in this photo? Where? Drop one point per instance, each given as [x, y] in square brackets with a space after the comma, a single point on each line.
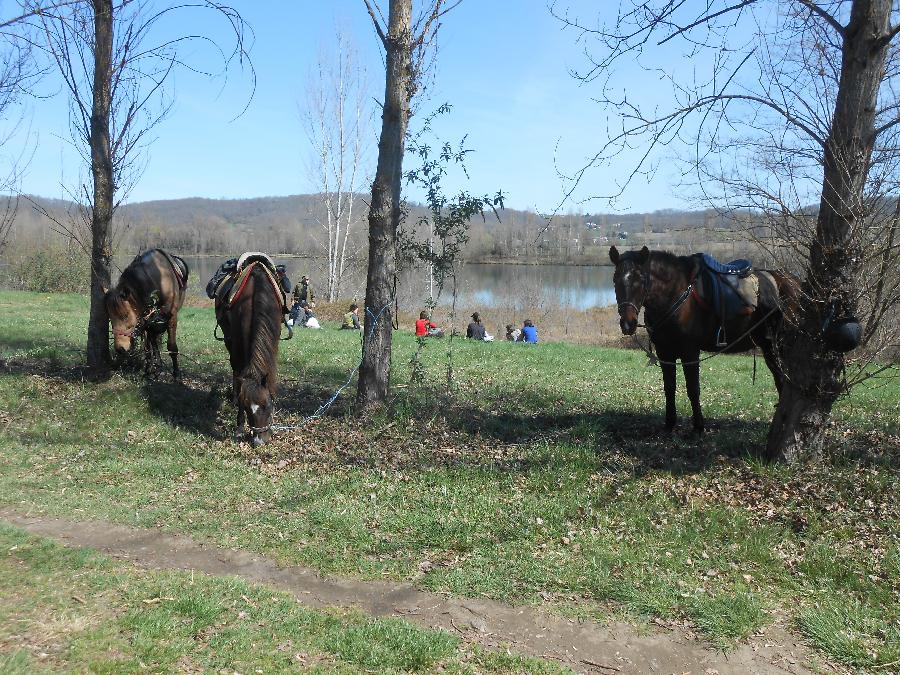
[425, 327]
[302, 313]
[527, 333]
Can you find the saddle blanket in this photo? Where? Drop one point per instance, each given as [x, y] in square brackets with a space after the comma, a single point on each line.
[729, 289]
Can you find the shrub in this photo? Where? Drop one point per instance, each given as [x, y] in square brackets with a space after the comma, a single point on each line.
[55, 269]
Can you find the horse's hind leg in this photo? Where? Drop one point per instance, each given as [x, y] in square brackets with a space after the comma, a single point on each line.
[667, 363]
[172, 346]
[691, 368]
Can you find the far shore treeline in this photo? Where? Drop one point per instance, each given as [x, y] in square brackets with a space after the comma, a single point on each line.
[292, 225]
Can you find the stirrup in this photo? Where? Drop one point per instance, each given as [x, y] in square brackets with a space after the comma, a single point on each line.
[721, 341]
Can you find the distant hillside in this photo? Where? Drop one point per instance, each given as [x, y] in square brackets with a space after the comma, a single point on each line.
[292, 225]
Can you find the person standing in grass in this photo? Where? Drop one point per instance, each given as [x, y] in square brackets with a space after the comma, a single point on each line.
[303, 294]
[529, 332]
[351, 319]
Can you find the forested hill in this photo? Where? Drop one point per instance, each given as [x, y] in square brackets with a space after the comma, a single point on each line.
[293, 224]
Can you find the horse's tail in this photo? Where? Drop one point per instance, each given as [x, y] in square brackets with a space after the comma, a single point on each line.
[261, 371]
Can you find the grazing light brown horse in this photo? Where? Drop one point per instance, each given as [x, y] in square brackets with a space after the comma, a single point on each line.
[145, 303]
[681, 321]
[250, 310]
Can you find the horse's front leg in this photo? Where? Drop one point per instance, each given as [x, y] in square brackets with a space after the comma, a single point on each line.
[690, 364]
[156, 356]
[667, 363]
[148, 354]
[172, 346]
[239, 430]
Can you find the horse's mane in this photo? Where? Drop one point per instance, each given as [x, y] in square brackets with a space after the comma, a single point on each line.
[131, 280]
[662, 261]
[262, 361]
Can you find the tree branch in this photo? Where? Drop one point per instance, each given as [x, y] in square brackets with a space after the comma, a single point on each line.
[378, 28]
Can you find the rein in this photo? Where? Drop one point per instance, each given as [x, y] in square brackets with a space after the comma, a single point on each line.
[654, 360]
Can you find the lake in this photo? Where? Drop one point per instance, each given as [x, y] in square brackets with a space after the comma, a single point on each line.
[478, 285]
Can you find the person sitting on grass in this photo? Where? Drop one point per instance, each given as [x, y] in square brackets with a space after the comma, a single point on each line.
[351, 318]
[425, 328]
[529, 332]
[475, 329]
[512, 334]
[308, 318]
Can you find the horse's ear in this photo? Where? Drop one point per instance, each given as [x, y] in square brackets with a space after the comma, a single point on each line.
[614, 255]
[645, 254]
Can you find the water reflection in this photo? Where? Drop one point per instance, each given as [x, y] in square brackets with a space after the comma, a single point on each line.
[503, 285]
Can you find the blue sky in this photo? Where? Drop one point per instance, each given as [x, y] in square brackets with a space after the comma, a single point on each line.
[502, 64]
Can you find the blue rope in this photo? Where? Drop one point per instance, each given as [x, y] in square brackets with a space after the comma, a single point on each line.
[325, 406]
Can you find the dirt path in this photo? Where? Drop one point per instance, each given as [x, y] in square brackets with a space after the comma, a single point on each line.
[582, 646]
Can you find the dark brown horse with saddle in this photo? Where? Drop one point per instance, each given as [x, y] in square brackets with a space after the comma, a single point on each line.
[250, 308]
[145, 304]
[692, 303]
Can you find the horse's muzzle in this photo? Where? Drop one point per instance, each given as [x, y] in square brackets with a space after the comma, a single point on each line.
[628, 326]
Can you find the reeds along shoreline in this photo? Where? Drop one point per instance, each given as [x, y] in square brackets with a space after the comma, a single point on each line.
[597, 326]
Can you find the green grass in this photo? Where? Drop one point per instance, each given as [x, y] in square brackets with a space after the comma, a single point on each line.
[540, 477]
[74, 610]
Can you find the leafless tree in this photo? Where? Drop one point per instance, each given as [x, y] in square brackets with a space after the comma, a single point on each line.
[409, 47]
[782, 105]
[338, 123]
[19, 74]
[115, 58]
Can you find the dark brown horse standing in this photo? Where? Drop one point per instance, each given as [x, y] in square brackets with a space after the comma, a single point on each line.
[681, 323]
[250, 310]
[145, 303]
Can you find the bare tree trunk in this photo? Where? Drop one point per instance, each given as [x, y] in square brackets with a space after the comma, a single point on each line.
[102, 172]
[384, 212]
[814, 374]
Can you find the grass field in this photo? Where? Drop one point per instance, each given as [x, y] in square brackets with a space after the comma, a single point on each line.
[540, 476]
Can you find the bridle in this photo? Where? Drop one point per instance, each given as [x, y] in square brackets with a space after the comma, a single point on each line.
[645, 277]
[141, 326]
[268, 427]
[134, 333]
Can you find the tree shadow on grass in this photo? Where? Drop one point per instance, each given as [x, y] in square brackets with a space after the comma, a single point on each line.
[620, 440]
[186, 406]
[49, 359]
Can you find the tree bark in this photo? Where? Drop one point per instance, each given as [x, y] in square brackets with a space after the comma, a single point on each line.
[102, 173]
[384, 212]
[814, 373]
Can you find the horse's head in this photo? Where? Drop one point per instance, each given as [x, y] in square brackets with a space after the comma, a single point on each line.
[124, 316]
[631, 280]
[257, 402]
